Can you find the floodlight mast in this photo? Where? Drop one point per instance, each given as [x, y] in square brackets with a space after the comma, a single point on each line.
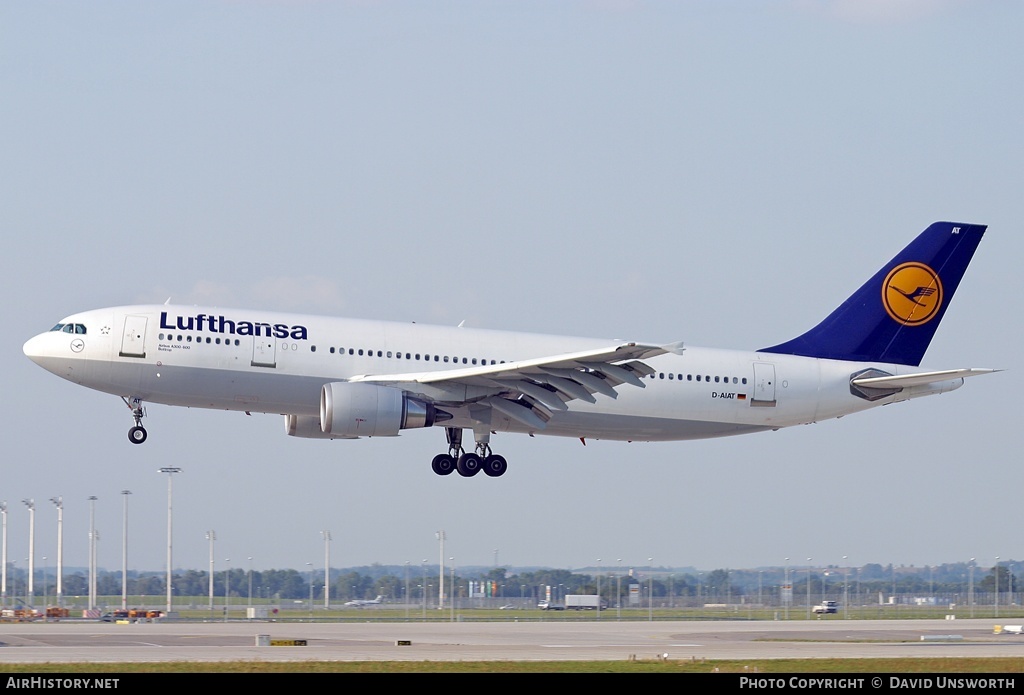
[327, 569]
[170, 471]
[440, 583]
[124, 548]
[59, 502]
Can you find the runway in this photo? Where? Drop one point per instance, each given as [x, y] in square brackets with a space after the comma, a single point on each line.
[71, 641]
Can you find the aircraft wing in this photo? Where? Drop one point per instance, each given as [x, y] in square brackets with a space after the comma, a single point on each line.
[529, 390]
[919, 379]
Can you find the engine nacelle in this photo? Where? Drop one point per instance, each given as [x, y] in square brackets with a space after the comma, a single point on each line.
[308, 427]
[356, 409]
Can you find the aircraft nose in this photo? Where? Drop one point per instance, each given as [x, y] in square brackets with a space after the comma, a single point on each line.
[40, 350]
[33, 348]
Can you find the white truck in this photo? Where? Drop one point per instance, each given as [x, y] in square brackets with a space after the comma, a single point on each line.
[584, 602]
[827, 607]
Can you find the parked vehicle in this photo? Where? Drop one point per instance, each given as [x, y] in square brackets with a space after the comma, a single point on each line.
[587, 602]
[827, 607]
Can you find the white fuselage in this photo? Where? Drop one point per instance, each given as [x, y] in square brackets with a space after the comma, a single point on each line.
[271, 362]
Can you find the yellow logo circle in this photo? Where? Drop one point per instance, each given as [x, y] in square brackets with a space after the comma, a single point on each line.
[912, 294]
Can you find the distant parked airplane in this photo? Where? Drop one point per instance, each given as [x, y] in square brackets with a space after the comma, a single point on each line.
[365, 602]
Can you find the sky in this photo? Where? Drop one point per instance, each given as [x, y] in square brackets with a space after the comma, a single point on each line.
[722, 174]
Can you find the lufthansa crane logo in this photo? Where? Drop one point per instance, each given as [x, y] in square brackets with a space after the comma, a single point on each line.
[912, 294]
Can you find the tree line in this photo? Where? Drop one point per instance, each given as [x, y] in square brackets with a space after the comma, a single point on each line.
[413, 584]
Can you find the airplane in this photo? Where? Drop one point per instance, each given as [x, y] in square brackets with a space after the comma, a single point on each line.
[359, 603]
[338, 378]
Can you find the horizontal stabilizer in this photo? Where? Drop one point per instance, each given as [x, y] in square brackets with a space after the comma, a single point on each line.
[920, 379]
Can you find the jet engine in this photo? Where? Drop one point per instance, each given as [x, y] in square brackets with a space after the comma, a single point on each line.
[308, 427]
[356, 409]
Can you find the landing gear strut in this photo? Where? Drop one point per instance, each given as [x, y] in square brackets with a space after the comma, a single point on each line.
[137, 434]
[467, 463]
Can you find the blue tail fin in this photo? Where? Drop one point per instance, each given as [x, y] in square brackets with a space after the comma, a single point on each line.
[893, 316]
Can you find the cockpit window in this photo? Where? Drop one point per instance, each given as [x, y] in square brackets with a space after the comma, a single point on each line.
[77, 328]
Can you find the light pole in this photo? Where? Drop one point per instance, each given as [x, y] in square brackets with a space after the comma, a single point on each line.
[598, 588]
[451, 588]
[808, 588]
[787, 591]
[846, 588]
[3, 556]
[60, 549]
[310, 566]
[406, 590]
[327, 568]
[618, 590]
[424, 566]
[227, 587]
[170, 471]
[995, 602]
[650, 589]
[31, 548]
[46, 596]
[124, 550]
[92, 552]
[440, 585]
[211, 536]
[970, 585]
[249, 599]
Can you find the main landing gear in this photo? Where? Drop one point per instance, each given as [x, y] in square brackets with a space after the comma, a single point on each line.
[137, 434]
[466, 463]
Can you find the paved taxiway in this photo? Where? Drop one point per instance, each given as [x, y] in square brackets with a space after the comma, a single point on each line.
[70, 641]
